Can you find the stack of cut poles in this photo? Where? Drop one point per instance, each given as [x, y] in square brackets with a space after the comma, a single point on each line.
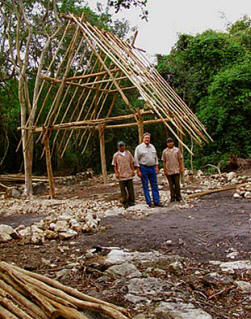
[27, 295]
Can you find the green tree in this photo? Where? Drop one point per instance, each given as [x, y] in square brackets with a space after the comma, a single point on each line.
[226, 112]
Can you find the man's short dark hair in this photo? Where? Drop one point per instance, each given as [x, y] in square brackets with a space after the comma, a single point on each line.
[169, 140]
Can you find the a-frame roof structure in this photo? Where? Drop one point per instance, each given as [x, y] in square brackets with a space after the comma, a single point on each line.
[79, 89]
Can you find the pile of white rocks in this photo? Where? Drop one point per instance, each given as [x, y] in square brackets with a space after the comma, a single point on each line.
[60, 219]
[206, 182]
[243, 191]
[73, 179]
[65, 226]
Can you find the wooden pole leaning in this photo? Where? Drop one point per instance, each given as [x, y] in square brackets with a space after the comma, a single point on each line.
[101, 129]
[179, 133]
[46, 137]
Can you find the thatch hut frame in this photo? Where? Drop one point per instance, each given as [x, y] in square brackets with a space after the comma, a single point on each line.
[110, 64]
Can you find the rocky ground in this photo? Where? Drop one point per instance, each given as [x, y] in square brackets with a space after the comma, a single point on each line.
[185, 260]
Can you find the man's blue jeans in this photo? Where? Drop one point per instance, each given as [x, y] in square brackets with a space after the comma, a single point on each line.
[149, 174]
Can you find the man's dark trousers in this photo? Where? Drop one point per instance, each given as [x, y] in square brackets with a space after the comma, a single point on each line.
[149, 174]
[127, 192]
[174, 185]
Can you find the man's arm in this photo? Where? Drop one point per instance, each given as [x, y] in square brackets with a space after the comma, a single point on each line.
[132, 168]
[180, 161]
[136, 162]
[116, 170]
[156, 161]
[164, 167]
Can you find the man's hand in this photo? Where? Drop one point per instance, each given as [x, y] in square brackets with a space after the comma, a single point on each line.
[117, 175]
[157, 169]
[133, 173]
[139, 173]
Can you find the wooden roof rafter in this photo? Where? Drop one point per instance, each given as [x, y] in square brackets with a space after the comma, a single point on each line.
[109, 66]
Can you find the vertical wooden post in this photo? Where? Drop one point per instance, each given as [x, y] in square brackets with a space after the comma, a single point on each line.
[48, 163]
[180, 135]
[140, 121]
[102, 151]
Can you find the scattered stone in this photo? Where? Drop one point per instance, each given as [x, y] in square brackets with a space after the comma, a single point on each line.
[237, 196]
[181, 311]
[139, 316]
[39, 188]
[15, 192]
[6, 233]
[124, 270]
[68, 234]
[230, 176]
[244, 286]
[146, 287]
[247, 195]
[176, 268]
[230, 266]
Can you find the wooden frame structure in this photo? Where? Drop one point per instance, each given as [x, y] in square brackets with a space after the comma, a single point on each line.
[78, 92]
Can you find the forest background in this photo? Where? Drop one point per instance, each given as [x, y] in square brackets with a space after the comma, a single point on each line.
[211, 72]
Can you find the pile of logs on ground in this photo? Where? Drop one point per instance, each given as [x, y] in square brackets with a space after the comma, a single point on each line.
[27, 295]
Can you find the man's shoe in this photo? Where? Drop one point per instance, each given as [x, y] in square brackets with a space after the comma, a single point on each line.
[131, 204]
[126, 206]
[159, 205]
[151, 205]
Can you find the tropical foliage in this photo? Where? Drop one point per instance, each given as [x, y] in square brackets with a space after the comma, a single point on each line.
[210, 71]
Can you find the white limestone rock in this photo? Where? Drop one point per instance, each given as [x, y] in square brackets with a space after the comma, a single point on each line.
[67, 234]
[230, 176]
[126, 270]
[243, 285]
[6, 233]
[247, 195]
[231, 266]
[181, 311]
[61, 226]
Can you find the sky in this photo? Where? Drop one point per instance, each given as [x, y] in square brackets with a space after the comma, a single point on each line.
[168, 18]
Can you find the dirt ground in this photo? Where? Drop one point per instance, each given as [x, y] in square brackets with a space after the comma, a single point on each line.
[216, 224]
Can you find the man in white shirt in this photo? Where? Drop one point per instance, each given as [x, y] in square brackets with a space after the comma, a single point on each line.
[146, 161]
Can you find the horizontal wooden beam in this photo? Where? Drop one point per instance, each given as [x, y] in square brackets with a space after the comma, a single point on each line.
[113, 126]
[54, 80]
[85, 76]
[91, 123]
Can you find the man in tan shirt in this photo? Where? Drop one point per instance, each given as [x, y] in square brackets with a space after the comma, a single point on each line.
[172, 164]
[123, 164]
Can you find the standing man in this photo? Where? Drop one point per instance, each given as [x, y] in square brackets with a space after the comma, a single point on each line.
[123, 164]
[172, 164]
[147, 164]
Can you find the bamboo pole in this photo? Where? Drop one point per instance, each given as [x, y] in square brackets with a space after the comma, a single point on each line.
[130, 77]
[94, 121]
[102, 151]
[216, 190]
[91, 74]
[140, 122]
[105, 67]
[48, 163]
[182, 152]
